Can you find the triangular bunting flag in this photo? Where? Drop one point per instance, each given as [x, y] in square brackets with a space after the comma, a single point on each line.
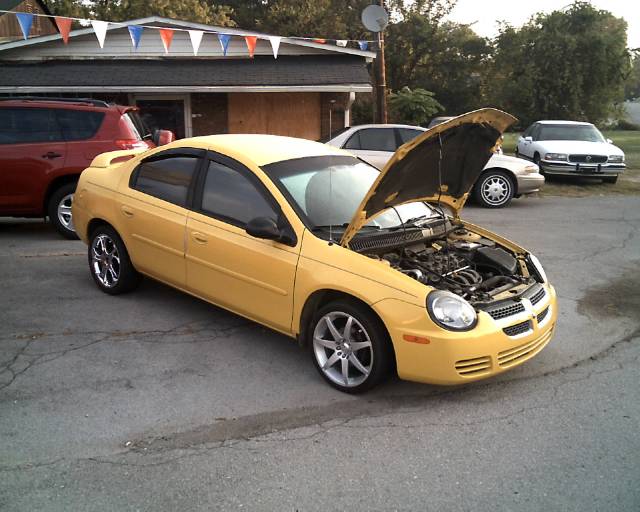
[251, 44]
[25, 20]
[196, 39]
[275, 45]
[64, 26]
[166, 34]
[363, 45]
[135, 31]
[224, 42]
[100, 28]
[342, 42]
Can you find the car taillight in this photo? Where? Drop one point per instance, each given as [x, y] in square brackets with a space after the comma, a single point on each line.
[130, 144]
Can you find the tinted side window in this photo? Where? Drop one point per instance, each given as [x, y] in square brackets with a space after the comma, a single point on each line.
[378, 139]
[79, 124]
[536, 131]
[231, 195]
[407, 134]
[353, 142]
[24, 125]
[528, 131]
[167, 179]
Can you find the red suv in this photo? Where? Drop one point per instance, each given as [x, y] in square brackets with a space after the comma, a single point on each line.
[46, 143]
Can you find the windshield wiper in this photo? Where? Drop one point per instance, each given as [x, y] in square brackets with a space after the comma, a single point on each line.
[411, 221]
[326, 227]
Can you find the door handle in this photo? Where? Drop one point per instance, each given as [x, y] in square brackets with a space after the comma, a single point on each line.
[128, 212]
[51, 155]
[199, 237]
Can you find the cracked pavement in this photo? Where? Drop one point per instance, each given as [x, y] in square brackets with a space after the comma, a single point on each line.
[158, 401]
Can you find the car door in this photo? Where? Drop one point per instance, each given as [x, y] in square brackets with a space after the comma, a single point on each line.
[32, 152]
[525, 147]
[374, 145]
[251, 276]
[153, 212]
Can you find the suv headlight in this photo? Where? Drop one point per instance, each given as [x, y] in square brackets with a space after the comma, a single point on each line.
[535, 262]
[616, 158]
[450, 311]
[556, 156]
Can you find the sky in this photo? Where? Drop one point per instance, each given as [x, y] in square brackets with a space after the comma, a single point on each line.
[486, 14]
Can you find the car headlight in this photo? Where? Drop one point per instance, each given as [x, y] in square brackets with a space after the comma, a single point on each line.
[556, 156]
[616, 158]
[535, 262]
[450, 311]
[530, 169]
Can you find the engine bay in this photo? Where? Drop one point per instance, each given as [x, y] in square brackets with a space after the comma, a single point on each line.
[462, 262]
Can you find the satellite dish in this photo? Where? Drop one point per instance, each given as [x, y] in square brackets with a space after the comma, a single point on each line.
[375, 18]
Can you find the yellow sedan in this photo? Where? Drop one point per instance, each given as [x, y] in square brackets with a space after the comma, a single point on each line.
[372, 271]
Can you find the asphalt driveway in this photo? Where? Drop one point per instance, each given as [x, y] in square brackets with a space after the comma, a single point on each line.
[159, 401]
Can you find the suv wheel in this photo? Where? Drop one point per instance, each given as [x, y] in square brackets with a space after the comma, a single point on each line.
[59, 210]
[494, 189]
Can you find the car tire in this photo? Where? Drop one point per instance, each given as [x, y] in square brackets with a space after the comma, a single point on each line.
[494, 189]
[334, 354]
[536, 160]
[109, 262]
[610, 179]
[59, 210]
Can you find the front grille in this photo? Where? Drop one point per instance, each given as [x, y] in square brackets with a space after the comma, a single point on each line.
[517, 355]
[538, 296]
[514, 330]
[542, 315]
[588, 159]
[473, 367]
[368, 243]
[505, 311]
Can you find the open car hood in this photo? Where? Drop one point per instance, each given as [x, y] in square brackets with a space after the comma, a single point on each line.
[442, 165]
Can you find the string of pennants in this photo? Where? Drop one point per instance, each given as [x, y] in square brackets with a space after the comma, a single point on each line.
[25, 20]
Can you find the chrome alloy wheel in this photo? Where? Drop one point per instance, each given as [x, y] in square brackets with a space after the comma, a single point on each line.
[64, 212]
[105, 261]
[342, 349]
[496, 190]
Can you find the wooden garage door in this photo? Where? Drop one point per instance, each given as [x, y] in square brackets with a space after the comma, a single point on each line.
[293, 114]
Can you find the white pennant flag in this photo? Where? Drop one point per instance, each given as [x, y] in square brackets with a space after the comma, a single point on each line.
[196, 39]
[100, 28]
[341, 42]
[275, 45]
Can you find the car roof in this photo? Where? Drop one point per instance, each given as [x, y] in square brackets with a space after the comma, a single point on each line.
[60, 103]
[261, 149]
[360, 126]
[583, 123]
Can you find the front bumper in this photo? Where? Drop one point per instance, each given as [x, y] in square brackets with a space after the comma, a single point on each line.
[452, 358]
[529, 183]
[583, 170]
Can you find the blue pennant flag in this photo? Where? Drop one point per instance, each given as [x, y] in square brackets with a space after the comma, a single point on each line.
[135, 31]
[363, 45]
[26, 20]
[224, 42]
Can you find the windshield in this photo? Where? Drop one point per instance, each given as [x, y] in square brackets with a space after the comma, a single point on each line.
[327, 190]
[583, 132]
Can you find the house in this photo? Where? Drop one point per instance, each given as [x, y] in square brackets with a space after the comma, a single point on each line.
[9, 26]
[308, 87]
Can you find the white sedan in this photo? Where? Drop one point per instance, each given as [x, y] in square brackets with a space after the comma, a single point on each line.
[503, 178]
[570, 148]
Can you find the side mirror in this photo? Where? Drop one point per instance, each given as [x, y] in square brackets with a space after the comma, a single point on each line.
[528, 138]
[609, 141]
[263, 227]
[162, 137]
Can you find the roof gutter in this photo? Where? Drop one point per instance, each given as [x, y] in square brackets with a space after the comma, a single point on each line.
[187, 88]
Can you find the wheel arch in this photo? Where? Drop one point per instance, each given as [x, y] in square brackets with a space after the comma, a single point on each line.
[55, 184]
[95, 223]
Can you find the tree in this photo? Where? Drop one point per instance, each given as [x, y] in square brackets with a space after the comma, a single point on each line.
[569, 64]
[199, 11]
[632, 83]
[413, 106]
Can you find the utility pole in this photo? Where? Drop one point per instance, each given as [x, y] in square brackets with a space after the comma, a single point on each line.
[381, 81]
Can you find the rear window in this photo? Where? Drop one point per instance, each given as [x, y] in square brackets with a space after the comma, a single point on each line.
[137, 124]
[79, 124]
[373, 139]
[28, 125]
[407, 134]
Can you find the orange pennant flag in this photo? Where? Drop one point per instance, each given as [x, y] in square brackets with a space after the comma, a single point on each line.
[167, 36]
[64, 26]
[251, 44]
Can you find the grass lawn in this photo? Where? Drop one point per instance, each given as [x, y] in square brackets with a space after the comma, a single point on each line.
[628, 183]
